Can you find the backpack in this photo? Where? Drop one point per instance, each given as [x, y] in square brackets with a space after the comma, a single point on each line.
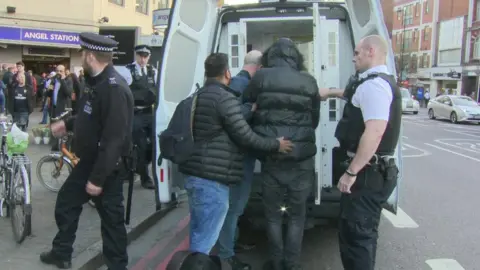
[176, 142]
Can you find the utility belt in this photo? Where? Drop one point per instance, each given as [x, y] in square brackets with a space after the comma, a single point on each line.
[385, 164]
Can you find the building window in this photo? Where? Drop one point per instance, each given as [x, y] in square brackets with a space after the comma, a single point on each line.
[117, 2]
[476, 49]
[399, 14]
[407, 41]
[477, 13]
[452, 56]
[162, 4]
[426, 34]
[408, 15]
[420, 62]
[427, 60]
[141, 6]
[417, 9]
[425, 3]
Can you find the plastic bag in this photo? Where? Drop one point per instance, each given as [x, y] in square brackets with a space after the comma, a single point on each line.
[17, 141]
[18, 135]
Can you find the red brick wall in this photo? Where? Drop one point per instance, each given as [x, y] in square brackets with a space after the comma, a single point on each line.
[449, 9]
[428, 11]
[387, 8]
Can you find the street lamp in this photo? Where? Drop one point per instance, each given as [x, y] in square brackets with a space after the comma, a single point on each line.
[402, 52]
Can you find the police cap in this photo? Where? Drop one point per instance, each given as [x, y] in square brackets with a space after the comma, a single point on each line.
[97, 43]
[143, 50]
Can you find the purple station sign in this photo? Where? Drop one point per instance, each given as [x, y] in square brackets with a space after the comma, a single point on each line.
[38, 35]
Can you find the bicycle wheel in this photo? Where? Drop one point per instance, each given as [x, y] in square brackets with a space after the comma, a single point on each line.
[53, 179]
[20, 202]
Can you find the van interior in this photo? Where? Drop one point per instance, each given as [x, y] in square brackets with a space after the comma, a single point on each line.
[261, 34]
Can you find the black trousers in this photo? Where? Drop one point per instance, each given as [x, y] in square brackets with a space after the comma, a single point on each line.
[360, 218]
[286, 185]
[109, 205]
[142, 132]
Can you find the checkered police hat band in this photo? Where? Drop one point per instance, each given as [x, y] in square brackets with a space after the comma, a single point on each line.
[92, 47]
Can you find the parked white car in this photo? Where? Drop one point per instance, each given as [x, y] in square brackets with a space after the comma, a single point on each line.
[409, 105]
[455, 108]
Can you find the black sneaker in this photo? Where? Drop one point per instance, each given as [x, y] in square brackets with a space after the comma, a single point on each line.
[50, 258]
[147, 183]
[236, 264]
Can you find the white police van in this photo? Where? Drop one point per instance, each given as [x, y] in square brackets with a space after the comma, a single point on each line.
[325, 32]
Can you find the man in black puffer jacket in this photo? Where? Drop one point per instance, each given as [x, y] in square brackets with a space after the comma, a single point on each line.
[288, 104]
[218, 161]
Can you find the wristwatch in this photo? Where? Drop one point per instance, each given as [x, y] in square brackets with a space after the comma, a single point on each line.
[349, 173]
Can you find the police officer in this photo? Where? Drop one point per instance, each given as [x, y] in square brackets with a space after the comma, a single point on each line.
[368, 134]
[103, 130]
[142, 80]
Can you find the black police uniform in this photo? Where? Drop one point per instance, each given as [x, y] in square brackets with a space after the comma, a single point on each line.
[143, 88]
[102, 128]
[361, 210]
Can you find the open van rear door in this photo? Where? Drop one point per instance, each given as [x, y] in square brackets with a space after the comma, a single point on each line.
[186, 45]
[367, 19]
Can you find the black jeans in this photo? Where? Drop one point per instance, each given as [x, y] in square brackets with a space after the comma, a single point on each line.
[286, 185]
[360, 218]
[109, 205]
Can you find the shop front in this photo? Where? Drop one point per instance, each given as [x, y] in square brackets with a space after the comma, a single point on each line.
[471, 81]
[41, 50]
[448, 80]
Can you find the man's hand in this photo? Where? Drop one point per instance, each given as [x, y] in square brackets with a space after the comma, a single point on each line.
[58, 129]
[254, 107]
[346, 182]
[324, 92]
[93, 190]
[285, 145]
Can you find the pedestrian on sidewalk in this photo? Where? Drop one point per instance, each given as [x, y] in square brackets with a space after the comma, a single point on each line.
[102, 141]
[21, 98]
[239, 193]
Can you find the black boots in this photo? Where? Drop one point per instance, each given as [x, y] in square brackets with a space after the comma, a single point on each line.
[236, 264]
[50, 258]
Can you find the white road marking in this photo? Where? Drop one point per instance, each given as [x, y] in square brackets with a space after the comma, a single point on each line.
[422, 154]
[401, 220]
[411, 122]
[444, 264]
[463, 133]
[473, 146]
[453, 152]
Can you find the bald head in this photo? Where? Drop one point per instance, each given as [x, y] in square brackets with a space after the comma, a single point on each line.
[253, 57]
[377, 43]
[252, 62]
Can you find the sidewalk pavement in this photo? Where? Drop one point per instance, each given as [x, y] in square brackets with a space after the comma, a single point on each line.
[88, 241]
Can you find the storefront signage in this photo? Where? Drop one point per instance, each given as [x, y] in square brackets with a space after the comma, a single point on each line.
[452, 74]
[39, 35]
[160, 17]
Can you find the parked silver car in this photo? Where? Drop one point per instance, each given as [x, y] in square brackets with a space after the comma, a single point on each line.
[409, 105]
[455, 108]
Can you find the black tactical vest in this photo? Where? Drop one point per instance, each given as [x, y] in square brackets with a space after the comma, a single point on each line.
[351, 126]
[143, 87]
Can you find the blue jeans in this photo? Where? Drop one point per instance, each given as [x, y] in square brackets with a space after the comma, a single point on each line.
[239, 195]
[45, 114]
[208, 201]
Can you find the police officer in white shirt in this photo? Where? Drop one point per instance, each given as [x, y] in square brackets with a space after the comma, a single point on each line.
[142, 79]
[368, 134]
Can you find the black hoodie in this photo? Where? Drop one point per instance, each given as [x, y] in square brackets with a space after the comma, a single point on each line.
[288, 101]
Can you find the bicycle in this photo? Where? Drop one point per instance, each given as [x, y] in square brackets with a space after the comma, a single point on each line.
[15, 188]
[64, 158]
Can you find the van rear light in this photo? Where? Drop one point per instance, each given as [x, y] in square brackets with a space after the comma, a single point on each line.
[161, 176]
[284, 10]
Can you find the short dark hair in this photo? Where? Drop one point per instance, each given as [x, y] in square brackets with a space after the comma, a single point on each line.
[216, 64]
[20, 63]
